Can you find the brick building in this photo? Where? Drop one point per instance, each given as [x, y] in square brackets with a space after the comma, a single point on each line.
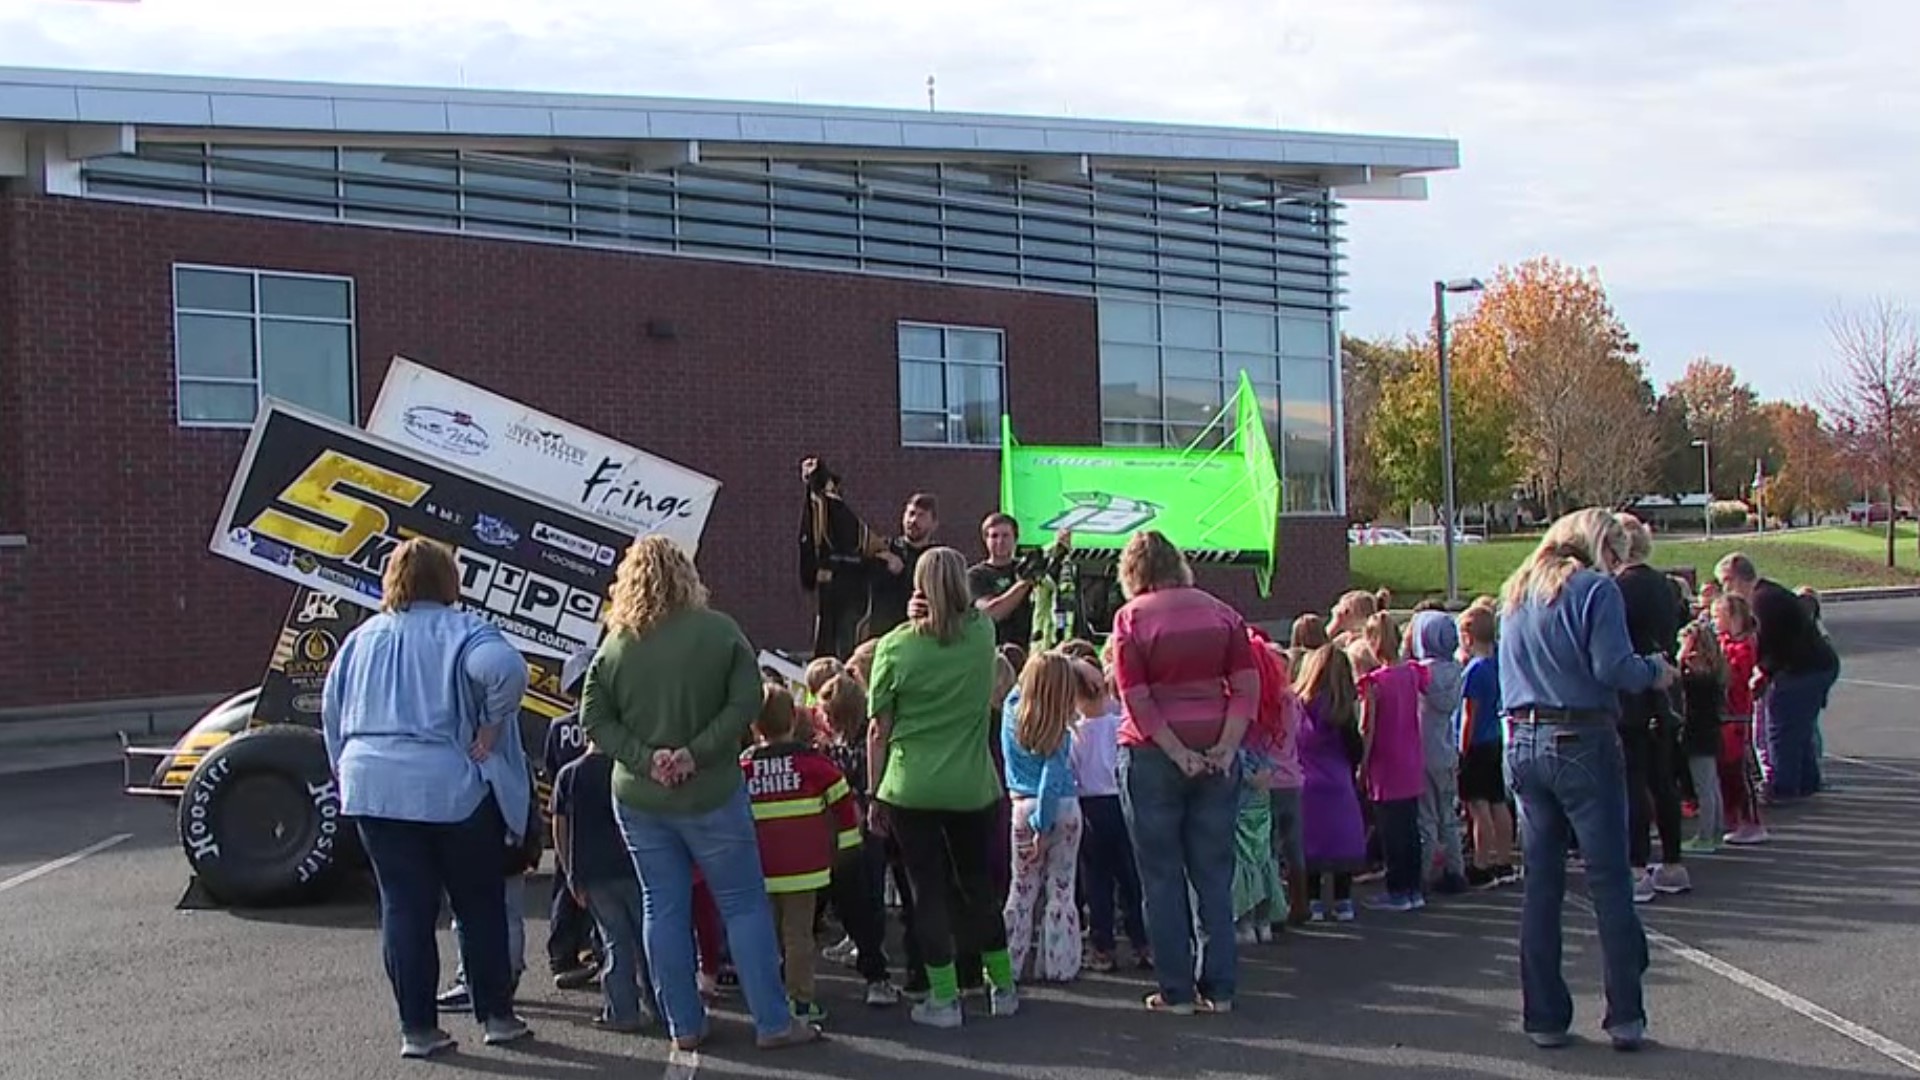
[730, 286]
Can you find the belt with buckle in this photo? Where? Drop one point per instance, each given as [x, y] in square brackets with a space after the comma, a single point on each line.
[1545, 715]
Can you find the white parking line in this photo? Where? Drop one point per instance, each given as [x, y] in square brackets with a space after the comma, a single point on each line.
[1879, 685]
[682, 1065]
[63, 861]
[1865, 1036]
[1894, 769]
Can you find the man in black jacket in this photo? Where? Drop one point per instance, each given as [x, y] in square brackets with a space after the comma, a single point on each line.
[891, 573]
[835, 546]
[1797, 670]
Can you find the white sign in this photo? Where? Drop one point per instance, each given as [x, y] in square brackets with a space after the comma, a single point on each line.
[466, 425]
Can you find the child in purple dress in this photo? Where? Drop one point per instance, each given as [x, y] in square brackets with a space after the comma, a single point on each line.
[1336, 839]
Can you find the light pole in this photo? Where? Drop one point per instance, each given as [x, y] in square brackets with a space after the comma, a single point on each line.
[1448, 510]
[1706, 474]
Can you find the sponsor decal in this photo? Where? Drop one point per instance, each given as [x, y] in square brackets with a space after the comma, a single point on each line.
[566, 562]
[199, 833]
[556, 537]
[316, 607]
[495, 532]
[307, 703]
[608, 491]
[553, 444]
[326, 805]
[446, 429]
[1101, 514]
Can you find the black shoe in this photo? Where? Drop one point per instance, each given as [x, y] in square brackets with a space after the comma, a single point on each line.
[1480, 879]
[579, 978]
[454, 997]
[1452, 885]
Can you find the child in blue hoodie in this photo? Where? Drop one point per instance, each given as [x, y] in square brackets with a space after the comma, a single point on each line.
[1434, 643]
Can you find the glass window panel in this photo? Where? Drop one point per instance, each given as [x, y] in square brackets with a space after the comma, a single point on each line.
[1123, 248]
[1052, 270]
[1249, 331]
[300, 171]
[922, 342]
[1198, 436]
[401, 217]
[915, 255]
[813, 187]
[1305, 336]
[319, 298]
[192, 196]
[1056, 249]
[922, 386]
[817, 221]
[1120, 276]
[793, 240]
[973, 394]
[538, 180]
[213, 290]
[1131, 433]
[708, 209]
[154, 161]
[886, 214]
[1079, 233]
[518, 211]
[997, 265]
[1126, 321]
[416, 180]
[1129, 381]
[977, 240]
[923, 427]
[1307, 434]
[1246, 290]
[1261, 368]
[1192, 364]
[981, 346]
[1191, 326]
[1192, 401]
[309, 364]
[710, 232]
[218, 403]
[214, 346]
[1204, 267]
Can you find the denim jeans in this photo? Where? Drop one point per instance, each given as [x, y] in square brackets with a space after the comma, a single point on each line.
[1107, 861]
[569, 927]
[1571, 783]
[626, 987]
[416, 864]
[1398, 823]
[665, 849]
[1183, 830]
[515, 891]
[1794, 703]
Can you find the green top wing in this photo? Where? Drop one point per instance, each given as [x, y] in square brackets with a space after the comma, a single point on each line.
[1216, 503]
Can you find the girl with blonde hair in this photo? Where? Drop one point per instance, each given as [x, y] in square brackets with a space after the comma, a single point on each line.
[1565, 659]
[1037, 740]
[669, 696]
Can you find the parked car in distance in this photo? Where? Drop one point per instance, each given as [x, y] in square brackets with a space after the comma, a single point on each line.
[1434, 534]
[1376, 536]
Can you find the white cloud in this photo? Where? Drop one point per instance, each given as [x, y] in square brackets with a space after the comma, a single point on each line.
[1691, 148]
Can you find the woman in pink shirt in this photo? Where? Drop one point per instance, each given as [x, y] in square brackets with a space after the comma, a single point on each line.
[1188, 687]
[1392, 761]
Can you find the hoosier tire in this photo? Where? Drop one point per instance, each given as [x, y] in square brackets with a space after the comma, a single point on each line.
[260, 819]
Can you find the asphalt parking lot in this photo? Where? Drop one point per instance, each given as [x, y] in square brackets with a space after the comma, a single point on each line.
[1795, 959]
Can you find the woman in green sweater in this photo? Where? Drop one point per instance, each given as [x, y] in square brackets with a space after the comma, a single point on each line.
[935, 787]
[669, 696]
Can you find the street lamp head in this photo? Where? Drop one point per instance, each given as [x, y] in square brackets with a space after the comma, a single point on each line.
[1700, 442]
[1463, 285]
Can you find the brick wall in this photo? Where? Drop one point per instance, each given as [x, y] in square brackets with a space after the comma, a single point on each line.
[117, 597]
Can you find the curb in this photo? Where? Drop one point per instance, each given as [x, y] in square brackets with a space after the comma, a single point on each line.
[1877, 592]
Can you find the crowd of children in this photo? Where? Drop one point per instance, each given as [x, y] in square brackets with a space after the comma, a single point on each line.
[1374, 749]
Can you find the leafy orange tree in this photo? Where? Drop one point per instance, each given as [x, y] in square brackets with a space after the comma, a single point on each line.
[1404, 435]
[1725, 412]
[1583, 422]
[1809, 474]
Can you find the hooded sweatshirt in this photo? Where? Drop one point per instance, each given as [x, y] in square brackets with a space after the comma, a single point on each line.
[1436, 643]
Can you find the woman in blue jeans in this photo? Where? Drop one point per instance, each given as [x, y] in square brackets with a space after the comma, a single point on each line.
[1565, 659]
[668, 697]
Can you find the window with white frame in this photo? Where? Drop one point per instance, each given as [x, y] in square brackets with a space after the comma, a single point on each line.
[952, 385]
[240, 335]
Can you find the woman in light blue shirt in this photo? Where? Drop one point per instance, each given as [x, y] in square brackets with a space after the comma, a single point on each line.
[420, 716]
[1565, 659]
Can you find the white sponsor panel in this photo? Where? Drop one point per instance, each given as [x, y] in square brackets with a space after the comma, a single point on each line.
[467, 425]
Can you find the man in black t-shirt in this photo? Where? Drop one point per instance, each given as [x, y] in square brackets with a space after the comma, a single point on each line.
[890, 575]
[997, 586]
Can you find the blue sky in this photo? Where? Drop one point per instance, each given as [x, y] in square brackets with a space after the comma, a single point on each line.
[1735, 169]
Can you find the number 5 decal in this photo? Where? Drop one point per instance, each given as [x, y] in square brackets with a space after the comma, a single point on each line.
[321, 490]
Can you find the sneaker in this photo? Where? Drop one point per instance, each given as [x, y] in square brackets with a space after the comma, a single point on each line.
[1003, 1002]
[1452, 885]
[1550, 1040]
[1099, 962]
[1316, 911]
[456, 997]
[1143, 959]
[574, 979]
[1244, 934]
[845, 952]
[1416, 901]
[1699, 846]
[1343, 911]
[1389, 902]
[808, 1012]
[1506, 875]
[1747, 834]
[881, 993]
[938, 1014]
[502, 1030]
[1672, 879]
[1479, 878]
[1628, 1037]
[1263, 933]
[425, 1044]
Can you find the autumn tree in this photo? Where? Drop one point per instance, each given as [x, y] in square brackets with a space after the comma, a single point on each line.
[1873, 396]
[1365, 367]
[1723, 411]
[1583, 412]
[1405, 432]
[1676, 461]
[1808, 476]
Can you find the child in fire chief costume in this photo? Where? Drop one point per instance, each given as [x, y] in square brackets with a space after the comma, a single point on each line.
[835, 547]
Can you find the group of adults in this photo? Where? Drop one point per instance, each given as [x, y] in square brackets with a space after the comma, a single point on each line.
[420, 725]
